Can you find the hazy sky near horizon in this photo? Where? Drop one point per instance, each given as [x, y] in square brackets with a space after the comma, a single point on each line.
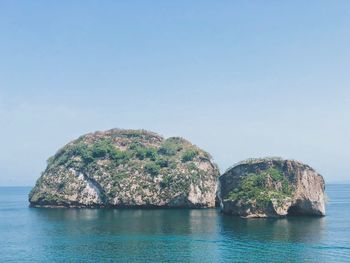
[239, 79]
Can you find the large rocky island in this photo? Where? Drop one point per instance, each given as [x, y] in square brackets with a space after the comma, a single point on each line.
[127, 168]
[271, 187]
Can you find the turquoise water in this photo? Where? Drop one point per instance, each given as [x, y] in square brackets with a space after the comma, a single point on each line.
[160, 235]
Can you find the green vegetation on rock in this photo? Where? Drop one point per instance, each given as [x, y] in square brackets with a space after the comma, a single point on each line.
[262, 187]
[188, 155]
[152, 168]
[100, 149]
[162, 162]
[170, 147]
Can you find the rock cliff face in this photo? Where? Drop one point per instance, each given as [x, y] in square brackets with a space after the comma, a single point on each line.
[126, 168]
[271, 187]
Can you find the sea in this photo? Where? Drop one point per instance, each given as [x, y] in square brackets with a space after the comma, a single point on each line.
[169, 235]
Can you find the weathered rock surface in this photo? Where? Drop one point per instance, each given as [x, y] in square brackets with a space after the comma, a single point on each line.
[271, 187]
[127, 168]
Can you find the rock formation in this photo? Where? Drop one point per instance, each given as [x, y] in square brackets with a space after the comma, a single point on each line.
[271, 187]
[127, 168]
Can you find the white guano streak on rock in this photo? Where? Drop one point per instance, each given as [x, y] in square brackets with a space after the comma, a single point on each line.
[195, 194]
[91, 190]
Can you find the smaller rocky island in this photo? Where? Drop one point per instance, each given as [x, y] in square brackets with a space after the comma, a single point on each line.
[271, 187]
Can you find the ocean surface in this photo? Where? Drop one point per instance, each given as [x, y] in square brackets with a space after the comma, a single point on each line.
[163, 235]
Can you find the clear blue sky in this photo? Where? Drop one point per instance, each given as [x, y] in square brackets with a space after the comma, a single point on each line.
[238, 78]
